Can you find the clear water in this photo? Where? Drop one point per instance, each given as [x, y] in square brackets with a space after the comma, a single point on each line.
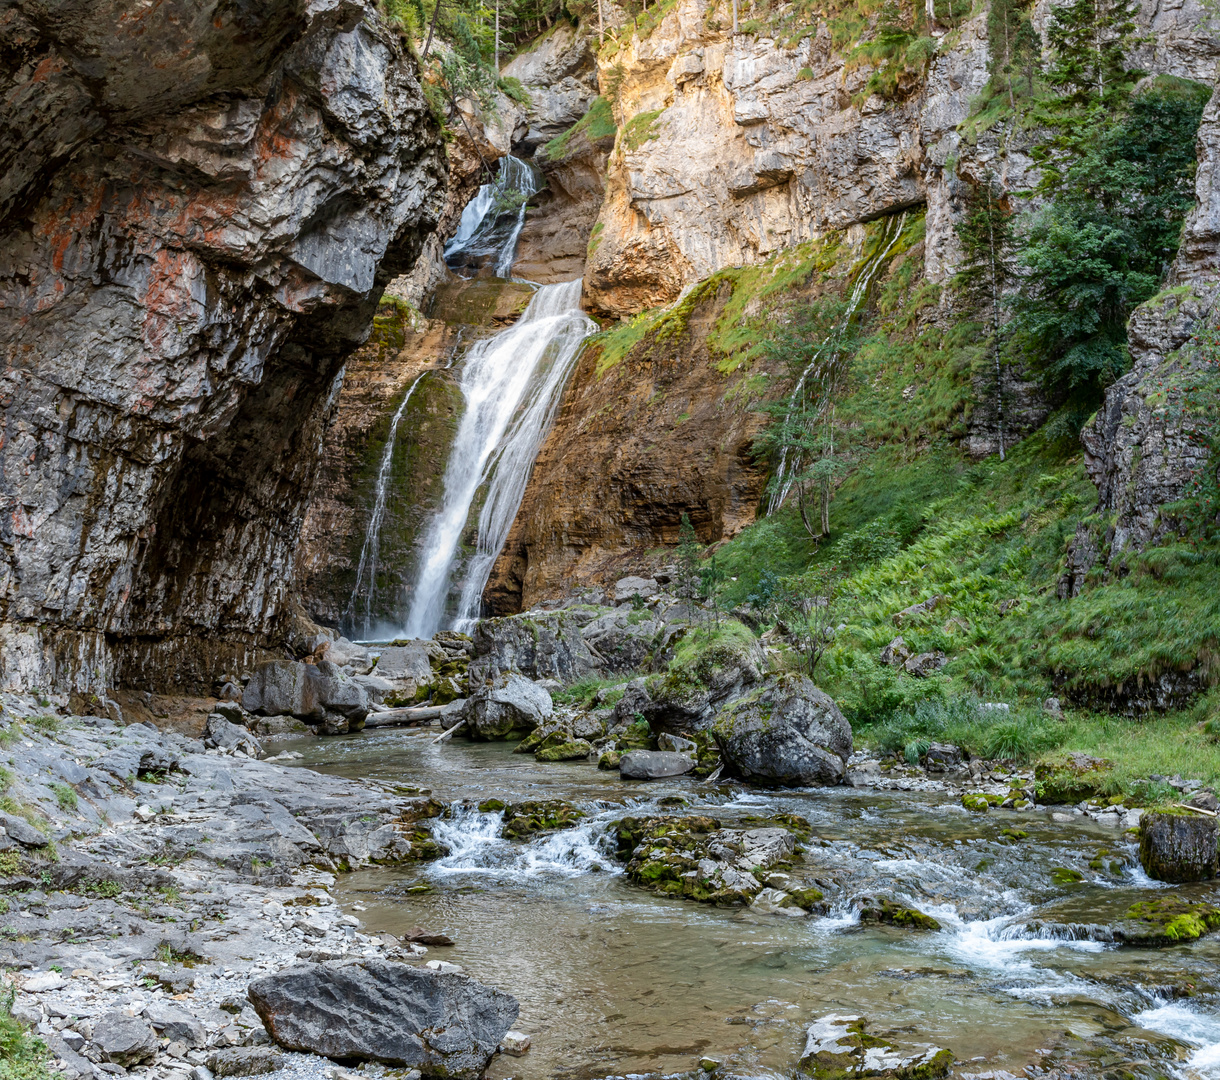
[613, 980]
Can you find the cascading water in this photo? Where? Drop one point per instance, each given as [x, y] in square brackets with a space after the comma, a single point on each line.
[492, 220]
[785, 472]
[511, 384]
[366, 571]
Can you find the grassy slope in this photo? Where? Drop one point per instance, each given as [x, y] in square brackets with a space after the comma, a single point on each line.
[989, 536]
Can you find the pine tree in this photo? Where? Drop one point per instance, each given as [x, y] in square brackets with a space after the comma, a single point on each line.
[988, 271]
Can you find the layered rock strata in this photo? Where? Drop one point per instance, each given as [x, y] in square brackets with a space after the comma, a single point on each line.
[200, 207]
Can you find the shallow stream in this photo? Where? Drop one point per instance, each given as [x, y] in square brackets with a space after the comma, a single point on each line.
[614, 980]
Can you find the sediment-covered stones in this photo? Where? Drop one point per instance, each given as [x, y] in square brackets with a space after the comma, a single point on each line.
[1179, 846]
[442, 1024]
[789, 732]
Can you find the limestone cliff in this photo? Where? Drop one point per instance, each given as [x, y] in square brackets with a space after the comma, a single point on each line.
[200, 205]
[735, 146]
[1149, 441]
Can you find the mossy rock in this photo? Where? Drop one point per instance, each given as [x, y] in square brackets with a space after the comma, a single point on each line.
[524, 819]
[1063, 875]
[569, 750]
[609, 760]
[1015, 834]
[794, 823]
[1167, 920]
[1179, 846]
[888, 913]
[630, 832]
[1071, 778]
[980, 801]
[811, 900]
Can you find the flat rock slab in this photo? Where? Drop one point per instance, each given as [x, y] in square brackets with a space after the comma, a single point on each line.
[440, 1023]
[654, 764]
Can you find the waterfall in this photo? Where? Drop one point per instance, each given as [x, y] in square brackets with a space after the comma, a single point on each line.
[371, 549]
[492, 220]
[511, 384]
[785, 472]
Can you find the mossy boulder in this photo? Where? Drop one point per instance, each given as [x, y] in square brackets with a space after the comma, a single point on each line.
[980, 801]
[887, 912]
[1178, 845]
[693, 858]
[569, 750]
[840, 1045]
[1167, 920]
[1065, 875]
[524, 819]
[1071, 778]
[787, 732]
[709, 668]
[610, 759]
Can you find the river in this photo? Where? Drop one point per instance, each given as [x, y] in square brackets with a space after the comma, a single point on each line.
[614, 980]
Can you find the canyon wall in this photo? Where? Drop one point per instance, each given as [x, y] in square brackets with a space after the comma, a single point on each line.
[200, 205]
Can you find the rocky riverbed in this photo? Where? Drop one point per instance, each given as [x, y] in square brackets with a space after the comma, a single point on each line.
[678, 926]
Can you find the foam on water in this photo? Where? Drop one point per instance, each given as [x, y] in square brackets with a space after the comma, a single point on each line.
[476, 847]
[1201, 1030]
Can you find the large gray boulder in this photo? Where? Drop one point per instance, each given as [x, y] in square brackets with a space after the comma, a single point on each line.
[277, 688]
[442, 1024]
[538, 645]
[321, 693]
[510, 703]
[654, 764]
[124, 1040]
[789, 732]
[225, 735]
[625, 639]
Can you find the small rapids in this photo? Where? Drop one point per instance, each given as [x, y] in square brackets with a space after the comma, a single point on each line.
[614, 979]
[475, 846]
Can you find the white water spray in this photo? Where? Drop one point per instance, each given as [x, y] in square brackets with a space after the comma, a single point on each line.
[492, 221]
[511, 384]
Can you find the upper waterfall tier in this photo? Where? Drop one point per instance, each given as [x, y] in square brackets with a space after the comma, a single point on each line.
[491, 222]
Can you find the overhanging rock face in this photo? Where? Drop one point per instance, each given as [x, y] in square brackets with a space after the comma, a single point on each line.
[199, 205]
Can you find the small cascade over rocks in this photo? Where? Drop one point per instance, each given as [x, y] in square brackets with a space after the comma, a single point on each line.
[491, 222]
[511, 384]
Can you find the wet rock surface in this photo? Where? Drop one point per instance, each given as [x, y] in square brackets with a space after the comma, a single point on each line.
[1179, 846]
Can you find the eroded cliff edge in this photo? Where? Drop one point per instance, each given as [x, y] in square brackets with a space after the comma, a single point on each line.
[200, 207]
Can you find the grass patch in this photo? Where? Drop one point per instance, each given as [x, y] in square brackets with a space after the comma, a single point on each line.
[597, 123]
[640, 129]
[65, 795]
[22, 1055]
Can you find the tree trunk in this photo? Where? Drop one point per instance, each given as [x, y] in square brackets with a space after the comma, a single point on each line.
[431, 27]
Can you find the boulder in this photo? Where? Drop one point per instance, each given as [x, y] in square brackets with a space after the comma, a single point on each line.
[941, 756]
[925, 664]
[442, 1024]
[220, 733]
[569, 750]
[510, 703]
[789, 732]
[22, 831]
[245, 1061]
[1179, 846]
[654, 764]
[536, 644]
[124, 1040]
[896, 653]
[686, 697]
[839, 1045]
[278, 688]
[915, 610]
[336, 694]
[348, 654]
[624, 639]
[626, 588]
